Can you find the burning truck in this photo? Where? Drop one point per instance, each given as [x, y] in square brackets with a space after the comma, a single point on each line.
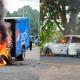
[14, 39]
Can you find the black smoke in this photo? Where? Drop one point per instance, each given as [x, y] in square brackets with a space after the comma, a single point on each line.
[3, 32]
[1, 9]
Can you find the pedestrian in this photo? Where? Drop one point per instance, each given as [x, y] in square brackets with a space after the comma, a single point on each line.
[30, 43]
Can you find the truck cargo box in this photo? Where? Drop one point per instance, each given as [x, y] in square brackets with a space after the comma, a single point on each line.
[20, 28]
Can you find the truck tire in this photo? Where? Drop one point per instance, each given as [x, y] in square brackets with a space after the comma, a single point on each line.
[20, 58]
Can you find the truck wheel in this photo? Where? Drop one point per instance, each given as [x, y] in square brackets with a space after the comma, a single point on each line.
[20, 58]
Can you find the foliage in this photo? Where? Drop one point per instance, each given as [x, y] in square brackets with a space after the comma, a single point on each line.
[48, 32]
[27, 11]
[63, 13]
[59, 10]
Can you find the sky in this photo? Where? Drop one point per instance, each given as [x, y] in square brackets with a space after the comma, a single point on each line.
[13, 5]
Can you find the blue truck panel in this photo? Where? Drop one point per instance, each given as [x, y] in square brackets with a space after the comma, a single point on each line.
[22, 34]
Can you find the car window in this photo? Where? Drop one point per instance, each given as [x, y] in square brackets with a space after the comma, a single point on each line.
[75, 40]
[64, 40]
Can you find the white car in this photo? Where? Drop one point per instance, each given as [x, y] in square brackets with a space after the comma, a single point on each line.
[68, 45]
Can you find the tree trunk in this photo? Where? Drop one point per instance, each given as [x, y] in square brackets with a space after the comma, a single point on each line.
[72, 26]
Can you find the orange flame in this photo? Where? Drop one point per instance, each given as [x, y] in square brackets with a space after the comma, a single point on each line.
[3, 52]
[3, 63]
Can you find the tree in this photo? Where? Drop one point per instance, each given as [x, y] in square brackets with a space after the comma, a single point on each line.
[33, 14]
[47, 33]
[58, 10]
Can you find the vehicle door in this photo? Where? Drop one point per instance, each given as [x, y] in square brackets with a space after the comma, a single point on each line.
[63, 45]
[74, 46]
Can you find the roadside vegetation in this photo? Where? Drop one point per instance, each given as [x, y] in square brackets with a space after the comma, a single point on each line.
[33, 14]
[58, 18]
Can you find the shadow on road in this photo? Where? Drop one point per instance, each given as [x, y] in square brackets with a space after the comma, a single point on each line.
[26, 63]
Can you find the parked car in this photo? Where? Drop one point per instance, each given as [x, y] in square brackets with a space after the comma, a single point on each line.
[68, 45]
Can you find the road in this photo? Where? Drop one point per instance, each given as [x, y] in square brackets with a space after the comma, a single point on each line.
[26, 70]
[59, 68]
[44, 68]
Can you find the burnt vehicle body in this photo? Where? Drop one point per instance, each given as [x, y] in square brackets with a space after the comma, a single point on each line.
[20, 29]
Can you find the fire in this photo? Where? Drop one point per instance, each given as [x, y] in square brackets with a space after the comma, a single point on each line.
[3, 53]
[3, 63]
[5, 43]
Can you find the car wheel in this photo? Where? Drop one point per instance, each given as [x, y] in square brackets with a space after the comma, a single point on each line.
[48, 52]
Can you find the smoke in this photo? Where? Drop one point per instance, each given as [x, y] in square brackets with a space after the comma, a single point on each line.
[1, 10]
[3, 31]
[2, 26]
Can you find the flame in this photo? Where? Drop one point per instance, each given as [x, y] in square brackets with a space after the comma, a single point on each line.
[3, 63]
[3, 52]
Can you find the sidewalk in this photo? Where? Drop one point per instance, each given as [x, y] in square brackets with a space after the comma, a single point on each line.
[34, 54]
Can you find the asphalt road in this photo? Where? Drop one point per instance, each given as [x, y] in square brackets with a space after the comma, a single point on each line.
[60, 68]
[25, 70]
[47, 68]
[28, 71]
